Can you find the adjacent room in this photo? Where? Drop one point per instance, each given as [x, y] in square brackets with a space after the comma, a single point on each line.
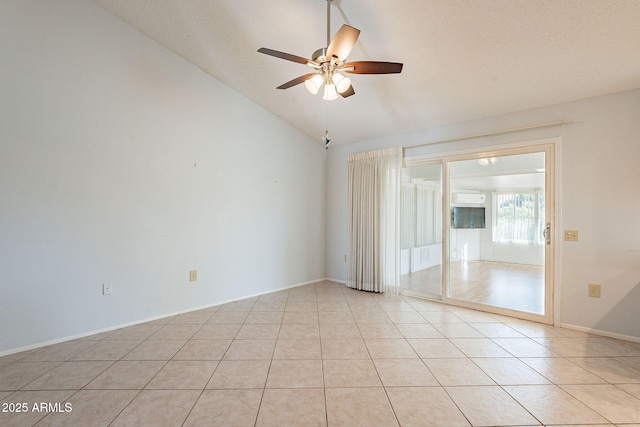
[178, 191]
[496, 246]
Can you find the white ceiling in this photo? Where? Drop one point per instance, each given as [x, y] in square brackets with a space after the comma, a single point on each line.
[463, 59]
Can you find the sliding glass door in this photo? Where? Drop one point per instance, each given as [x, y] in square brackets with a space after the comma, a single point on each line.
[476, 231]
[497, 231]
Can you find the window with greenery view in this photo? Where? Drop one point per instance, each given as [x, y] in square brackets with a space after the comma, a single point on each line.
[519, 217]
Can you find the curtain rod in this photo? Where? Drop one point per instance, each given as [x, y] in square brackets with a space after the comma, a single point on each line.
[498, 132]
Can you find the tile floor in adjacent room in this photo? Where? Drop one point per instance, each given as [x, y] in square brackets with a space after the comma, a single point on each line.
[323, 354]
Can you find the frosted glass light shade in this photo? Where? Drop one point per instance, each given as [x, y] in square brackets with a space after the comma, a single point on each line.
[330, 92]
[313, 84]
[342, 82]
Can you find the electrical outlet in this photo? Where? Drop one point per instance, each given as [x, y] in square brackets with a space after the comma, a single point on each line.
[193, 275]
[595, 291]
[107, 288]
[571, 235]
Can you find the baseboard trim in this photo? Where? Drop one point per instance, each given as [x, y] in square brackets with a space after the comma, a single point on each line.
[137, 322]
[601, 332]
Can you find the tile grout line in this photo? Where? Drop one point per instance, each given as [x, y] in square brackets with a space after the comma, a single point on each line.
[266, 379]
[512, 355]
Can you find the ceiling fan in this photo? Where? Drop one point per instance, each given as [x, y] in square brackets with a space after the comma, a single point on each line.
[329, 64]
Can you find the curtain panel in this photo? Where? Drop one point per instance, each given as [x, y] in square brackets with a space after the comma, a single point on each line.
[373, 205]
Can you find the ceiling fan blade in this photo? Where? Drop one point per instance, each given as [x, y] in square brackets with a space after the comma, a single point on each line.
[373, 67]
[348, 92]
[283, 55]
[343, 42]
[295, 81]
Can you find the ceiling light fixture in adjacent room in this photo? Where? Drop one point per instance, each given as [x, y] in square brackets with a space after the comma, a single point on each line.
[487, 161]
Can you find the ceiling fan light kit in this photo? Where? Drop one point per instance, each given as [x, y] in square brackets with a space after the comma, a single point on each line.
[329, 64]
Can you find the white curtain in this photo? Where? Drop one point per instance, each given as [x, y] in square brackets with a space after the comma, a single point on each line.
[373, 204]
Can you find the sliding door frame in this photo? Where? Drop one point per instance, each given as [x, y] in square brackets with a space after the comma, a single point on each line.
[549, 147]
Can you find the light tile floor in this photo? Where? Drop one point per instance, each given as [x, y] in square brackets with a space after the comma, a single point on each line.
[324, 354]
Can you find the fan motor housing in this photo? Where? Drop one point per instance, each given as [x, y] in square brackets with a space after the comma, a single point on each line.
[320, 53]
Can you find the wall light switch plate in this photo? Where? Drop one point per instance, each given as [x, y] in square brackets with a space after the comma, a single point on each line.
[193, 275]
[571, 235]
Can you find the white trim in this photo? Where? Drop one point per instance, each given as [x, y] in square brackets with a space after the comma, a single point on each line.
[600, 332]
[150, 319]
[488, 134]
[557, 232]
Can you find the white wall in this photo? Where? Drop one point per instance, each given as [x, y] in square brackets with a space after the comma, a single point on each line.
[599, 193]
[531, 254]
[465, 244]
[122, 163]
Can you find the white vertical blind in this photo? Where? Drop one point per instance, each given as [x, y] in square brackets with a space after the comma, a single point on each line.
[407, 217]
[373, 205]
[518, 217]
[421, 216]
[429, 216]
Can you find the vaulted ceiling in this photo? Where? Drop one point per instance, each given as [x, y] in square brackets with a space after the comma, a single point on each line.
[463, 59]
